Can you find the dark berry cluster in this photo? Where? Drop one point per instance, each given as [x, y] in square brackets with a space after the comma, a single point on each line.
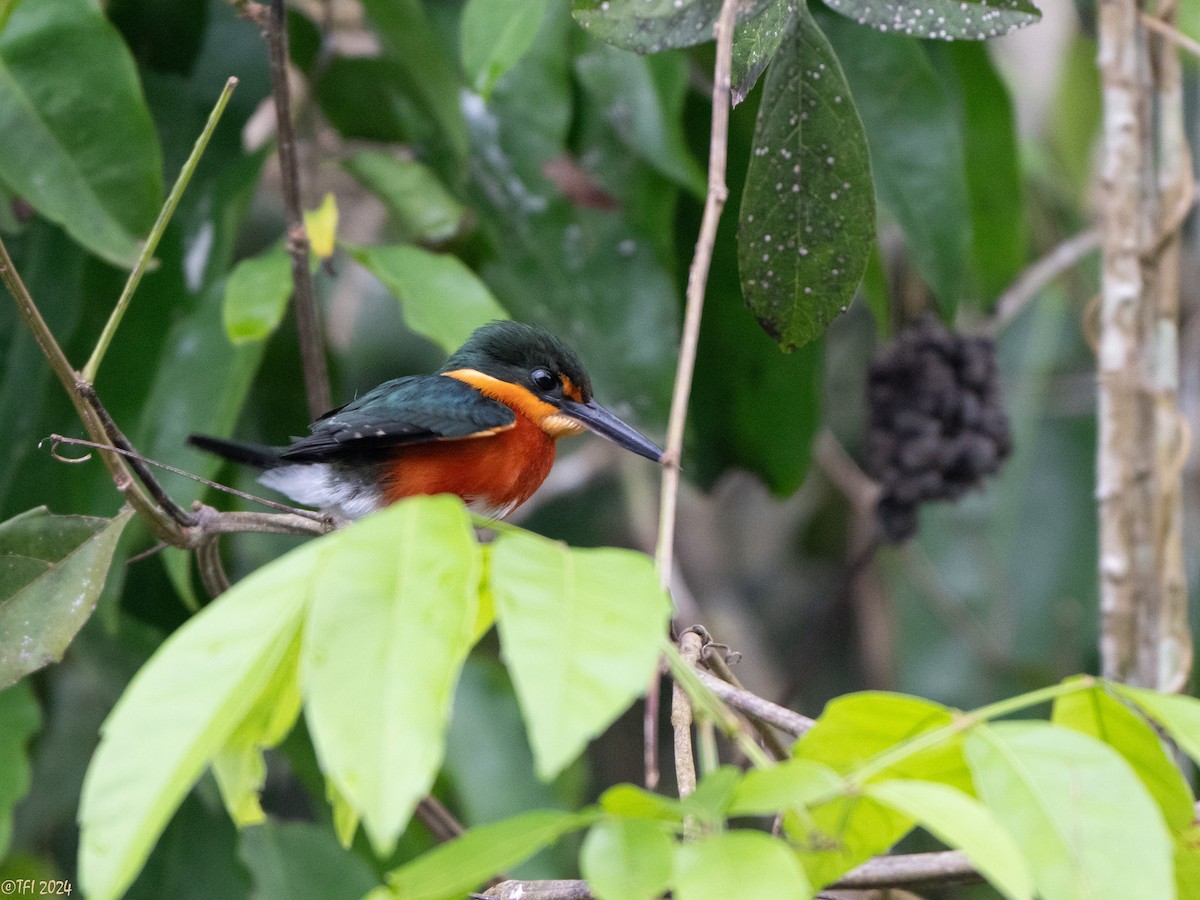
[937, 423]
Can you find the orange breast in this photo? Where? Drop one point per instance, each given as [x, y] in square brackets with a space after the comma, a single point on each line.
[494, 474]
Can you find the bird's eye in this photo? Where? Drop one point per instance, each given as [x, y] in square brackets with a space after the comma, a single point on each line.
[543, 380]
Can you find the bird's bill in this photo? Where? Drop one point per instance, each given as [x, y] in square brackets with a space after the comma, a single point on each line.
[595, 417]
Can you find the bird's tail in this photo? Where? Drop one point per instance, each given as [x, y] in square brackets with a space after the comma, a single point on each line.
[258, 455]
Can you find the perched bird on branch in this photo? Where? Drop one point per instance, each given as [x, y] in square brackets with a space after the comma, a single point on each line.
[484, 427]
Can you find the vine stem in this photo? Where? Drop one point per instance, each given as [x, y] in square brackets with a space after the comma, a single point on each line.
[714, 204]
[160, 225]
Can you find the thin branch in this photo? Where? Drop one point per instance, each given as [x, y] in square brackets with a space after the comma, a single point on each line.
[1030, 282]
[156, 233]
[308, 327]
[1172, 34]
[439, 820]
[787, 721]
[715, 660]
[681, 719]
[714, 203]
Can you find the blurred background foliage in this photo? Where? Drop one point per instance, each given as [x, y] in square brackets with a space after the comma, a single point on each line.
[572, 185]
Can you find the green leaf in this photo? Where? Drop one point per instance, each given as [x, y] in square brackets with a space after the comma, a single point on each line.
[808, 210]
[387, 633]
[748, 865]
[627, 859]
[961, 822]
[76, 140]
[851, 732]
[1178, 715]
[993, 167]
[20, 719]
[52, 570]
[1187, 863]
[420, 206]
[494, 34]
[239, 766]
[179, 710]
[363, 98]
[948, 20]
[1086, 825]
[256, 295]
[631, 801]
[454, 868]
[579, 632]
[855, 728]
[442, 299]
[1097, 713]
[916, 149]
[714, 792]
[791, 783]
[301, 861]
[643, 99]
[415, 47]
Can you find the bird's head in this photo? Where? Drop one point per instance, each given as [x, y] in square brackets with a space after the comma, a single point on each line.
[533, 360]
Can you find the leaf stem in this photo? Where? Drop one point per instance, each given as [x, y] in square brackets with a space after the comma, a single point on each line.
[156, 233]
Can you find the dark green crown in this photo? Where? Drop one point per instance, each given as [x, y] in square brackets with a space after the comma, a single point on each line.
[511, 351]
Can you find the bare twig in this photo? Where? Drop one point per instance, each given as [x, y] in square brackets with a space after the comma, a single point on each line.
[715, 660]
[714, 203]
[439, 820]
[1034, 278]
[681, 719]
[1172, 34]
[787, 721]
[308, 327]
[912, 870]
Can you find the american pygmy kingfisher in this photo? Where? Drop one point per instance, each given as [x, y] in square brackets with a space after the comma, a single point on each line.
[484, 427]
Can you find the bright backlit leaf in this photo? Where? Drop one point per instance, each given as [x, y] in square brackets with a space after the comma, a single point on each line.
[454, 868]
[1075, 808]
[1177, 714]
[321, 224]
[386, 637]
[791, 783]
[52, 569]
[627, 859]
[962, 822]
[579, 631]
[748, 865]
[807, 220]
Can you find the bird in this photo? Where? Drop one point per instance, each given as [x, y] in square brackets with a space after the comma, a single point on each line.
[484, 426]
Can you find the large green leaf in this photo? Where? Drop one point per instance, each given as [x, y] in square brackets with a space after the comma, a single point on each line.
[420, 205]
[1178, 715]
[179, 710]
[962, 822]
[52, 569]
[454, 868]
[389, 628]
[949, 20]
[442, 299]
[916, 149]
[748, 865]
[494, 34]
[791, 783]
[20, 718]
[302, 861]
[807, 219]
[579, 631]
[627, 859]
[1084, 822]
[1097, 713]
[77, 140]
